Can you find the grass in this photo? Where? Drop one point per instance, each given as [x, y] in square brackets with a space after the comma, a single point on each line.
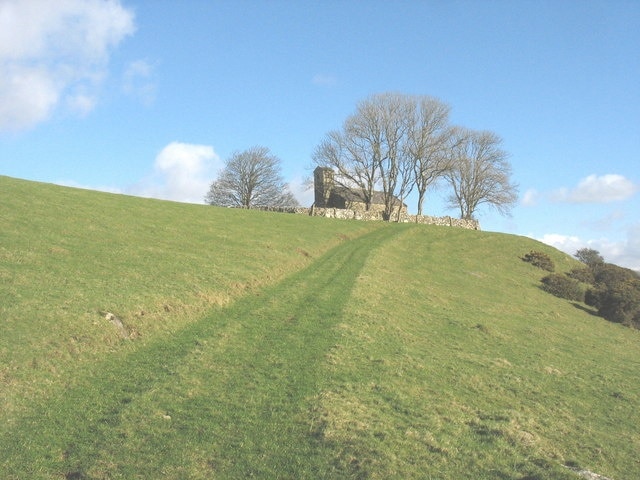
[279, 346]
[154, 412]
[67, 256]
[454, 364]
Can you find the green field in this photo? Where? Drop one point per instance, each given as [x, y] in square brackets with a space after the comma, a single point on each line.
[265, 345]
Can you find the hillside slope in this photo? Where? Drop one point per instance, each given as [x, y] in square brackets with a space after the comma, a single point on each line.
[452, 358]
[69, 256]
[280, 346]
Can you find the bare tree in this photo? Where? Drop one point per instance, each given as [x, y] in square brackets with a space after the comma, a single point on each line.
[429, 143]
[480, 173]
[355, 169]
[392, 113]
[251, 179]
[369, 151]
[398, 142]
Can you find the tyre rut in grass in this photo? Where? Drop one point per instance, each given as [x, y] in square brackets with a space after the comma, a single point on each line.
[227, 395]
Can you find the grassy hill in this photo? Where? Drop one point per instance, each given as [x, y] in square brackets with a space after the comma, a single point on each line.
[252, 344]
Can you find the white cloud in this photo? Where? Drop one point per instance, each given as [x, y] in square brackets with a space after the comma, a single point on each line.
[28, 96]
[625, 253]
[81, 103]
[302, 190]
[566, 243]
[183, 172]
[53, 51]
[598, 189]
[530, 198]
[137, 81]
[629, 256]
[100, 188]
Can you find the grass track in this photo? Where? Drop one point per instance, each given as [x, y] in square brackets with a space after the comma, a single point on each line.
[67, 255]
[228, 396]
[454, 364]
[401, 351]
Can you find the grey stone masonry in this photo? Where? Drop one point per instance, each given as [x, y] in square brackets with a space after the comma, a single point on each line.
[348, 214]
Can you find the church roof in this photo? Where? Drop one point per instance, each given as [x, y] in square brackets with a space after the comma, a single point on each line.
[354, 196]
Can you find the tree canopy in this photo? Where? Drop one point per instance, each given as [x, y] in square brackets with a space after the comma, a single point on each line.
[396, 143]
[251, 179]
[479, 173]
[589, 256]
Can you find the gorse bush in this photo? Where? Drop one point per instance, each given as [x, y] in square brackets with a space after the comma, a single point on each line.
[584, 275]
[616, 294]
[562, 286]
[612, 290]
[621, 304]
[540, 260]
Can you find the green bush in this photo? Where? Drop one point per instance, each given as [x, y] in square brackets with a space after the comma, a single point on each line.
[594, 296]
[584, 275]
[612, 275]
[563, 287]
[540, 260]
[616, 294]
[621, 304]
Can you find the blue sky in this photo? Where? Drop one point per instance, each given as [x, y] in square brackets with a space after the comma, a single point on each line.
[149, 97]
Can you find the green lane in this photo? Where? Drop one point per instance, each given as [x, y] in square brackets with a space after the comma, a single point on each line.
[226, 397]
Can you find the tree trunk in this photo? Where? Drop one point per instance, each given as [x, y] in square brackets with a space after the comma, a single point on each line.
[420, 201]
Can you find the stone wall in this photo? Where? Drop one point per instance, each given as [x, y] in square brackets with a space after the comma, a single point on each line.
[443, 221]
[347, 214]
[298, 210]
[404, 217]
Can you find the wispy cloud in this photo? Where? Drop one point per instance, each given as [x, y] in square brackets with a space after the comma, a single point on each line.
[302, 190]
[182, 172]
[530, 198]
[567, 243]
[625, 252]
[55, 53]
[137, 81]
[597, 189]
[99, 188]
[323, 80]
[605, 223]
[631, 253]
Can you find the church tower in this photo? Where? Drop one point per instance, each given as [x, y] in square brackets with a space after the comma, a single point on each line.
[323, 184]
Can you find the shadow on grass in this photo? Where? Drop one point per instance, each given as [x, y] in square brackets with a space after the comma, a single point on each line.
[589, 310]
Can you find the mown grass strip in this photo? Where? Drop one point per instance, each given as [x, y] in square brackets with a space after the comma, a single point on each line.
[226, 396]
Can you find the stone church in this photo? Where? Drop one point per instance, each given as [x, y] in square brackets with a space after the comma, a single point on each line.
[328, 194]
